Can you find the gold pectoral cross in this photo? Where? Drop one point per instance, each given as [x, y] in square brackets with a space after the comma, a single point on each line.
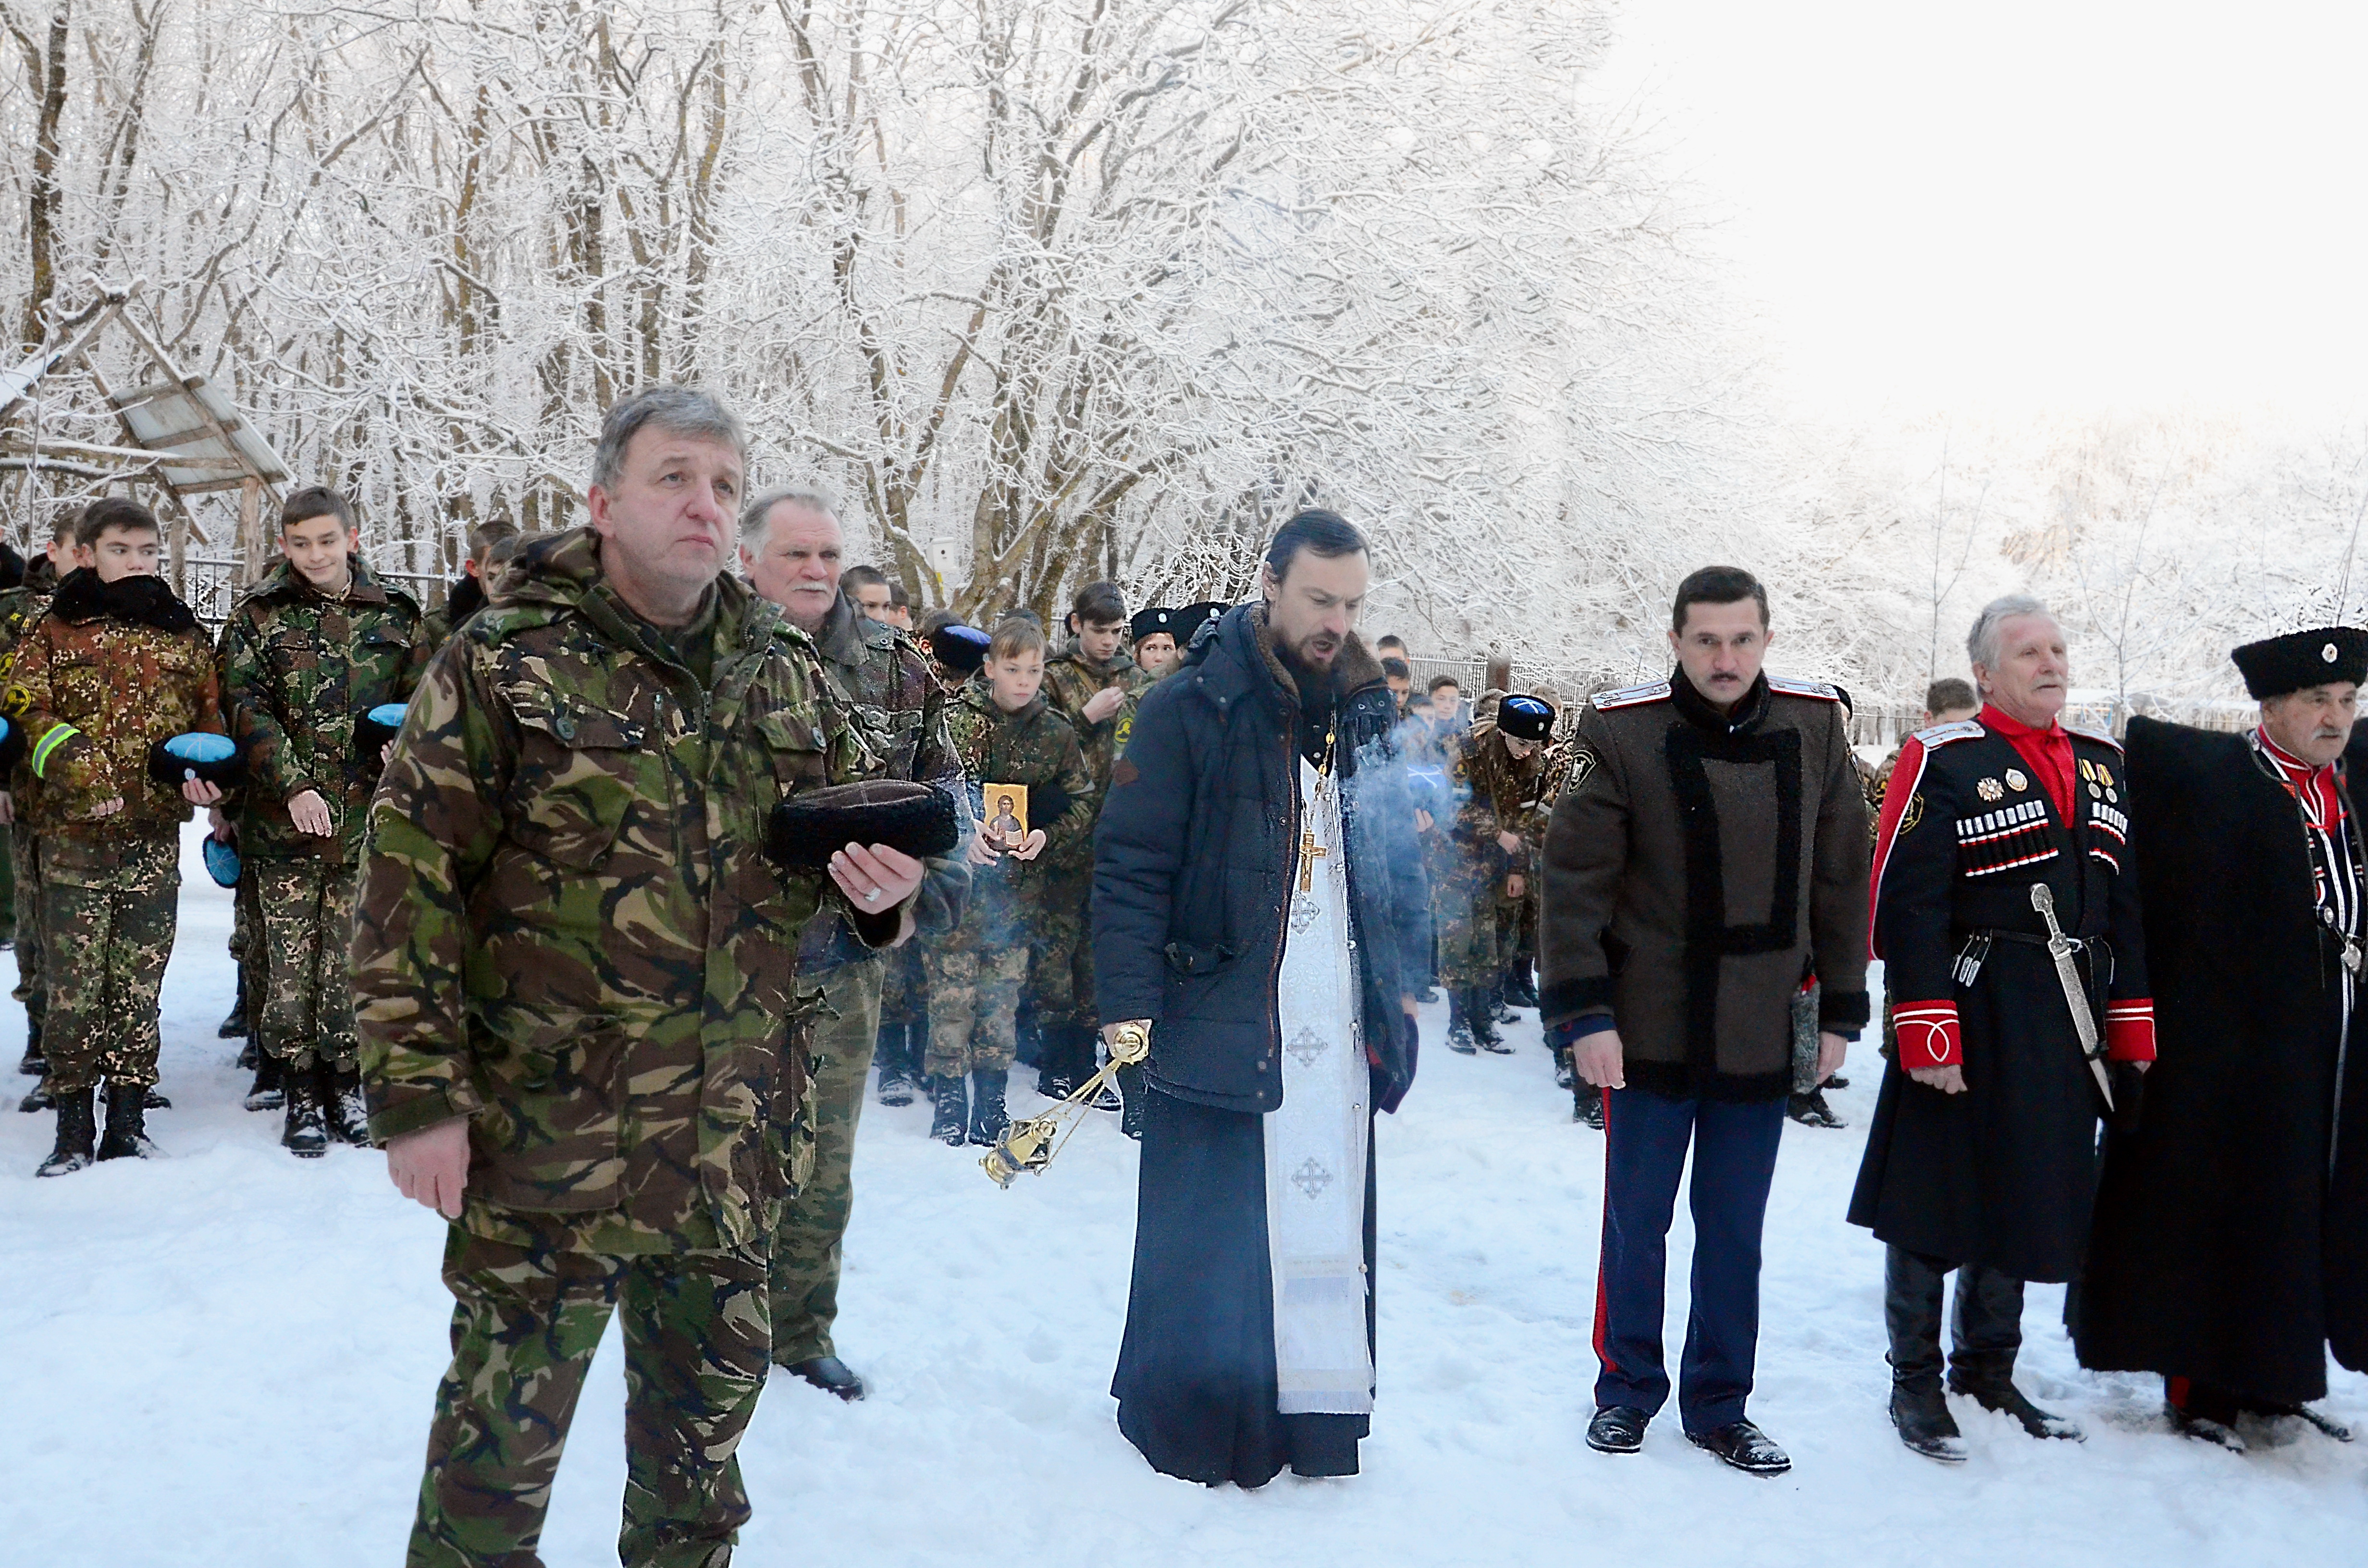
[1309, 853]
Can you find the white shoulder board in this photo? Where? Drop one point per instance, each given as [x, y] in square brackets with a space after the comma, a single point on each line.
[1630, 697]
[1816, 688]
[1941, 734]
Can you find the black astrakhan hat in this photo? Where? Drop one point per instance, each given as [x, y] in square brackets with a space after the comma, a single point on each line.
[960, 648]
[1152, 622]
[1525, 718]
[2277, 666]
[806, 830]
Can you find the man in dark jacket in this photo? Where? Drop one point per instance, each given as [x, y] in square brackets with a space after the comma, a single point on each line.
[1709, 853]
[1982, 1155]
[2231, 1242]
[1258, 904]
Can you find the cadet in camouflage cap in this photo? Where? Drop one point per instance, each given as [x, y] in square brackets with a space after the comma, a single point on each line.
[574, 982]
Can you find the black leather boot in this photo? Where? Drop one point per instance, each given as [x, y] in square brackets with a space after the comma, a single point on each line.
[951, 1124]
[895, 1084]
[234, 1026]
[1988, 1334]
[1459, 1025]
[305, 1133]
[1498, 1011]
[32, 1065]
[1521, 986]
[343, 1104]
[1913, 1287]
[988, 1119]
[75, 1135]
[1482, 1006]
[266, 1093]
[127, 1126]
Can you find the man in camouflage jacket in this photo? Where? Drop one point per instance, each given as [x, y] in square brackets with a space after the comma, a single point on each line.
[1005, 732]
[572, 973]
[1097, 687]
[19, 608]
[316, 645]
[117, 664]
[792, 547]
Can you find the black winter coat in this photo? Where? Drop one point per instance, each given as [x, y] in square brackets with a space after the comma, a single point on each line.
[1196, 850]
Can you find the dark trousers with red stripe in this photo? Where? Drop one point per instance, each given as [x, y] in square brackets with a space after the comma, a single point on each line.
[1645, 1139]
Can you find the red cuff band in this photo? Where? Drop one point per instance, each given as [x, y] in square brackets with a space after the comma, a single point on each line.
[2129, 1032]
[1928, 1034]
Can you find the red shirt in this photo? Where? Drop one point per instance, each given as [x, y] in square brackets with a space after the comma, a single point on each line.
[2049, 751]
[2313, 787]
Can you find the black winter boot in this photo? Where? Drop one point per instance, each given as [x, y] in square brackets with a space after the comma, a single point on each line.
[988, 1119]
[1811, 1109]
[1521, 986]
[264, 1092]
[1131, 1089]
[1919, 1412]
[151, 1098]
[951, 1124]
[305, 1133]
[127, 1127]
[1986, 1329]
[75, 1136]
[343, 1104]
[1587, 1103]
[32, 1065]
[1459, 1025]
[1482, 1006]
[1498, 1011]
[1565, 1076]
[896, 1087]
[234, 1026]
[249, 1055]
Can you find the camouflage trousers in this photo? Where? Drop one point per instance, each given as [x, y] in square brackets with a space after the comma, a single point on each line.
[904, 990]
[525, 1324]
[1464, 905]
[814, 1221]
[25, 856]
[1061, 951]
[109, 907]
[307, 908]
[974, 1004]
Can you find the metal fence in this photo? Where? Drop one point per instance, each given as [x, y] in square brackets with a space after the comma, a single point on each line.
[212, 584]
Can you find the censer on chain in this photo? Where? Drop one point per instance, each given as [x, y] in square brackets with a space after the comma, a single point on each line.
[1030, 1144]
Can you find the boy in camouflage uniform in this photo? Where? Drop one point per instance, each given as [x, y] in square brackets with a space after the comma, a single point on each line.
[1097, 688]
[117, 664]
[19, 608]
[1496, 777]
[572, 974]
[791, 546]
[317, 644]
[491, 545]
[1005, 732]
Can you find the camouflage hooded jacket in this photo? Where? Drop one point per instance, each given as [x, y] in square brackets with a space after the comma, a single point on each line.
[566, 929]
[108, 670]
[298, 670]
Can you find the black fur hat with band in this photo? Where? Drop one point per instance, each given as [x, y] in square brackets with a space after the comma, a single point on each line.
[2277, 666]
[807, 829]
[1525, 718]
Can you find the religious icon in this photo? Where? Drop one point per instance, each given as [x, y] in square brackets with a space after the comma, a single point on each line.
[1007, 815]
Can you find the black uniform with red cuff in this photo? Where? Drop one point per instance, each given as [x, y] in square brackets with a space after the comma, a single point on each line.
[2003, 1174]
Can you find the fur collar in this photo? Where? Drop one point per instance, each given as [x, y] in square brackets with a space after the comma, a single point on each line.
[138, 601]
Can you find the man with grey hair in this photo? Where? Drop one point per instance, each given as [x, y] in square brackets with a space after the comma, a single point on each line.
[2008, 923]
[791, 546]
[574, 980]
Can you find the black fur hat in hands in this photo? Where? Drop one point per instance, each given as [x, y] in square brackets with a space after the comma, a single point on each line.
[807, 830]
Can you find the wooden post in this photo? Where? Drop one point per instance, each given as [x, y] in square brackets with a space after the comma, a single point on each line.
[250, 531]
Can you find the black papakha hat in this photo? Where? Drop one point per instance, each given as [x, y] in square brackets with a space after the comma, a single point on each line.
[959, 647]
[1152, 622]
[199, 756]
[806, 830]
[2276, 666]
[1526, 718]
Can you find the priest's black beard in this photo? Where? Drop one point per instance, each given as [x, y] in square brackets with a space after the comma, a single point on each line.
[1316, 701]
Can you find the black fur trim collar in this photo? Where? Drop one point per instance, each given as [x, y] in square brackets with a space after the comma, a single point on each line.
[139, 601]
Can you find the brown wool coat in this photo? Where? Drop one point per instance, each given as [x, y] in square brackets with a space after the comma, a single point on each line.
[1698, 867]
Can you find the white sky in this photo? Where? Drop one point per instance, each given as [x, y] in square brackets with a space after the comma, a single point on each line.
[2012, 206]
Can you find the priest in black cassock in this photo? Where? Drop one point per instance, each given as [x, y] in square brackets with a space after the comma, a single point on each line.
[2231, 1234]
[1260, 902]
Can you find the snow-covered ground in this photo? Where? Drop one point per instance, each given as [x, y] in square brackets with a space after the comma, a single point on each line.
[226, 1356]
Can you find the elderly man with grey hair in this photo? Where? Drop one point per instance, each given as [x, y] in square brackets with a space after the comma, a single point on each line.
[2006, 912]
[792, 547]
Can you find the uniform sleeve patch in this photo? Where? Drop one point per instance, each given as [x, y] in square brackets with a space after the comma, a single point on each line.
[1582, 769]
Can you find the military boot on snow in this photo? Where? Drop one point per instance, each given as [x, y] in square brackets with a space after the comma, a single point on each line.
[1458, 1026]
[127, 1126]
[343, 1105]
[32, 1065]
[951, 1124]
[988, 1119]
[1919, 1412]
[234, 1026]
[305, 1133]
[896, 1087]
[1587, 1104]
[75, 1136]
[1482, 1007]
[264, 1092]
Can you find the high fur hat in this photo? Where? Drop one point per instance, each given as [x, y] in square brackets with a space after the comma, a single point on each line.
[1525, 718]
[1152, 622]
[962, 648]
[2277, 666]
[808, 829]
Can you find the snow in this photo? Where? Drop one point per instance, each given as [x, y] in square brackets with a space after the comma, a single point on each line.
[226, 1357]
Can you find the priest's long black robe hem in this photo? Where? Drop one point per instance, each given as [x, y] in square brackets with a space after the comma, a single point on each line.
[1196, 1381]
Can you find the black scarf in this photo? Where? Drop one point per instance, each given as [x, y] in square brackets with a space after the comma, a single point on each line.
[465, 598]
[138, 601]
